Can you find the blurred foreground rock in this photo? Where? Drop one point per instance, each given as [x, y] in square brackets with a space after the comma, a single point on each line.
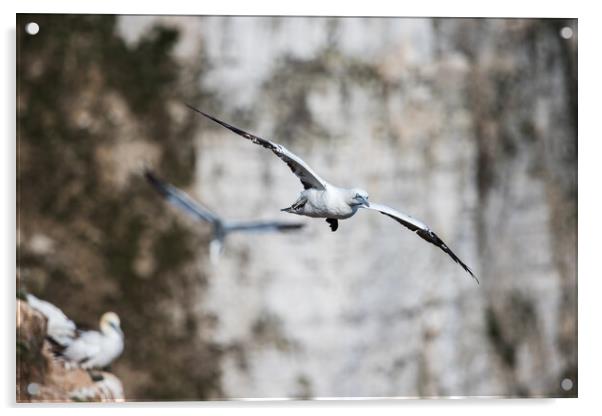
[41, 377]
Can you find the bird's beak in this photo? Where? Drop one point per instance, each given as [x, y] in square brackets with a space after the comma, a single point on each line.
[360, 201]
[117, 329]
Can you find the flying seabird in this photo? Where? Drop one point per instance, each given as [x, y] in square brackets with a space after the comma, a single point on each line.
[220, 227]
[320, 199]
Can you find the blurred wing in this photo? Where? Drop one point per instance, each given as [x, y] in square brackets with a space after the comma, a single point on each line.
[180, 199]
[59, 328]
[262, 226]
[306, 175]
[422, 230]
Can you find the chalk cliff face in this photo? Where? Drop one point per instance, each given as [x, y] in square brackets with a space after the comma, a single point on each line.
[468, 125]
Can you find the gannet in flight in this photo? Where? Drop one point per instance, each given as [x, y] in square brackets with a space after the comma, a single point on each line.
[320, 199]
[221, 227]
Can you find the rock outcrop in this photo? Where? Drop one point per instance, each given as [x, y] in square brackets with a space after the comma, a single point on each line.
[42, 377]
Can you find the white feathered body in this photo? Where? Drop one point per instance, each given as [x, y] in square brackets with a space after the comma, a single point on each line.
[89, 349]
[94, 349]
[328, 203]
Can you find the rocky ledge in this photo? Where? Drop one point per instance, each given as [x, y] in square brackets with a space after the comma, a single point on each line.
[42, 377]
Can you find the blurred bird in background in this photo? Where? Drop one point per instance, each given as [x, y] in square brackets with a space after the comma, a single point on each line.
[220, 227]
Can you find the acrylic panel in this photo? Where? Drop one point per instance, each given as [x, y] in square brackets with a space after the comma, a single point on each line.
[193, 225]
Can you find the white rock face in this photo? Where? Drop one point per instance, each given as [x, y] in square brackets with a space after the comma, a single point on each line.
[395, 106]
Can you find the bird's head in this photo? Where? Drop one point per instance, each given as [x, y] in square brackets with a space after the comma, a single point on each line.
[357, 198]
[110, 322]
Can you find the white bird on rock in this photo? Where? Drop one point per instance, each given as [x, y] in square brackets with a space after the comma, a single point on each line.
[320, 199]
[221, 227]
[88, 349]
[96, 349]
[60, 329]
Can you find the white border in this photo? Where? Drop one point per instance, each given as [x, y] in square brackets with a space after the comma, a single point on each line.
[311, 7]
[590, 227]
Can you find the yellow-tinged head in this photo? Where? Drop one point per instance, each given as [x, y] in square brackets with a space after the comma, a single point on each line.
[110, 322]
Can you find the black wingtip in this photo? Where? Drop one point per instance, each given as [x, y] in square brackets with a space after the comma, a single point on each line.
[291, 226]
[155, 182]
[433, 238]
[148, 173]
[464, 266]
[207, 115]
[195, 109]
[150, 176]
[234, 129]
[476, 279]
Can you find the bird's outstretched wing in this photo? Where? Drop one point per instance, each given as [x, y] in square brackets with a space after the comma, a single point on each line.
[306, 175]
[180, 199]
[261, 226]
[59, 329]
[422, 230]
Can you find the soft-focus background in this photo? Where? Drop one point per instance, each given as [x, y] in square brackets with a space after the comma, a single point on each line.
[467, 124]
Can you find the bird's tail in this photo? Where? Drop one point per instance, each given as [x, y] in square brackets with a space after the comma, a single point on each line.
[216, 246]
[296, 208]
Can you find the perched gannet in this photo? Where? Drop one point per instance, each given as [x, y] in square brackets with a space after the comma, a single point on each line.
[60, 329]
[87, 348]
[221, 227]
[321, 199]
[96, 349]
